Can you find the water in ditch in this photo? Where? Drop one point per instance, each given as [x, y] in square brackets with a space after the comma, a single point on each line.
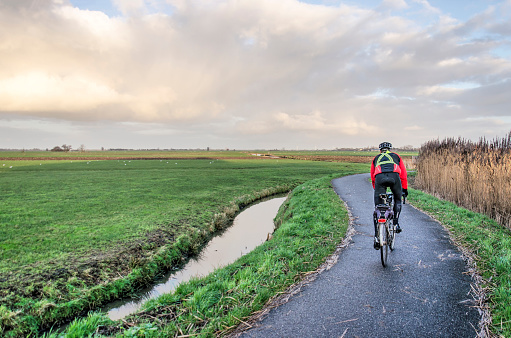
[250, 229]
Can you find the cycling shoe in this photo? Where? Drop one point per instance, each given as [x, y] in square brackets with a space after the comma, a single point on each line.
[398, 229]
[376, 244]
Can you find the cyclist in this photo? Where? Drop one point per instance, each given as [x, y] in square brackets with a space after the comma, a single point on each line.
[388, 170]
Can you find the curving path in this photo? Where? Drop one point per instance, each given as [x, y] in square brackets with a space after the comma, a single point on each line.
[424, 292]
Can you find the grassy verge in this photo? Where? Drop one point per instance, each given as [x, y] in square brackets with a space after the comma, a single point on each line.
[490, 245]
[313, 221]
[74, 235]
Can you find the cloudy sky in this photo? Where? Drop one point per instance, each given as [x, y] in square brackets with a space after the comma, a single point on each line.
[252, 74]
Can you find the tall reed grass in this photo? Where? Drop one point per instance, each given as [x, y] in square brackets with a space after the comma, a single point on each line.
[475, 175]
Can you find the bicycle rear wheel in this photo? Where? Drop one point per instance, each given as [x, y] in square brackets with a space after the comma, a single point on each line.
[384, 244]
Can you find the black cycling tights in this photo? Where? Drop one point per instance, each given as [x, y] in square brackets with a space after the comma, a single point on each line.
[392, 180]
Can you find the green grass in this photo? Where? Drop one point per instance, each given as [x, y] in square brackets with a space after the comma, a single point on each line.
[81, 206]
[9, 155]
[124, 154]
[313, 221]
[488, 241]
[76, 234]
[169, 210]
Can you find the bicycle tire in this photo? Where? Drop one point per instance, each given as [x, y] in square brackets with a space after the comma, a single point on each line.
[384, 244]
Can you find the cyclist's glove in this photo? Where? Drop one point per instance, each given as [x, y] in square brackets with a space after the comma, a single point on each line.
[405, 192]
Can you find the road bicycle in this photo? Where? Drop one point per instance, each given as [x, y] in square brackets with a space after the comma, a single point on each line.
[386, 230]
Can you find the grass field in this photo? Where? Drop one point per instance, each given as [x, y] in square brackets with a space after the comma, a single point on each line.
[312, 222]
[86, 205]
[77, 233]
[128, 154]
[157, 154]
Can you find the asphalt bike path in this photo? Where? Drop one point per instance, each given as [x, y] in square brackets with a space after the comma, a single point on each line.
[423, 292]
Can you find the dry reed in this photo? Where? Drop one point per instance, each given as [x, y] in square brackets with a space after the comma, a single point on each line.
[474, 175]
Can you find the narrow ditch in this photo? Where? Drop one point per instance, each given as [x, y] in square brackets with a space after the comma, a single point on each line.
[250, 228]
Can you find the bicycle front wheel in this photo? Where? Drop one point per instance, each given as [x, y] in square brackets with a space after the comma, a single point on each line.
[384, 244]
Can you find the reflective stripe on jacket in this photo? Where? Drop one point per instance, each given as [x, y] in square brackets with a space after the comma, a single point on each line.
[388, 162]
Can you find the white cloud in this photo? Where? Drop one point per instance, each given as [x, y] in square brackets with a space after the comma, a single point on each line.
[255, 127]
[395, 4]
[450, 62]
[427, 6]
[413, 128]
[37, 91]
[41, 125]
[130, 7]
[96, 23]
[242, 68]
[312, 121]
[315, 121]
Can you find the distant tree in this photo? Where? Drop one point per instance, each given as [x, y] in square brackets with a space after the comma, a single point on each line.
[82, 148]
[57, 148]
[64, 147]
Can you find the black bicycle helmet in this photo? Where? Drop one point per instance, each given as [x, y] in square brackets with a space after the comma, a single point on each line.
[385, 145]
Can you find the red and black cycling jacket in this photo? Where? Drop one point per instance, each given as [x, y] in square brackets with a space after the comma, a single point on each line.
[388, 162]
